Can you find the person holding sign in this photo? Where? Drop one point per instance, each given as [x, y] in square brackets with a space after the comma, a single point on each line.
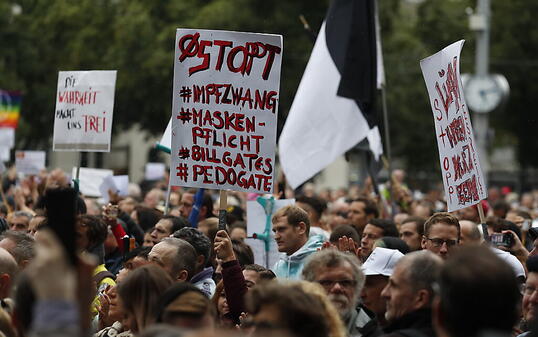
[292, 227]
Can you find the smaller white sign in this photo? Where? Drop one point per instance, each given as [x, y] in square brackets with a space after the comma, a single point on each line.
[5, 153]
[258, 248]
[155, 171]
[30, 162]
[90, 179]
[84, 106]
[7, 137]
[122, 184]
[257, 220]
[116, 184]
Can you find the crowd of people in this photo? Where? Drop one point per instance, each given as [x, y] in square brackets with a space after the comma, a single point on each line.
[352, 263]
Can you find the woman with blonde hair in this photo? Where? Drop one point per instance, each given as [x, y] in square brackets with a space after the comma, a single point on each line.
[300, 308]
[139, 296]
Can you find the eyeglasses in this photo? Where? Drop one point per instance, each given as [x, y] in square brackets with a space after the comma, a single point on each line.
[328, 284]
[528, 290]
[437, 242]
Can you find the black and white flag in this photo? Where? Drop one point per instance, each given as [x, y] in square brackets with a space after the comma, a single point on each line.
[333, 109]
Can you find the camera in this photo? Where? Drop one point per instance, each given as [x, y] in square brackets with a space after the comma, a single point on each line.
[501, 240]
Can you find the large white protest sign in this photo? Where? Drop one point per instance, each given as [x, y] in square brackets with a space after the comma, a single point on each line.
[258, 218]
[224, 109]
[460, 166]
[30, 162]
[84, 106]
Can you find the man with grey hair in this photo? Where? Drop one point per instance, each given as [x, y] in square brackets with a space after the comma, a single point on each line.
[175, 256]
[20, 221]
[8, 270]
[20, 245]
[341, 276]
[409, 295]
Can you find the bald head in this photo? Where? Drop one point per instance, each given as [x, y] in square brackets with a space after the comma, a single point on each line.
[470, 234]
[8, 270]
[8, 265]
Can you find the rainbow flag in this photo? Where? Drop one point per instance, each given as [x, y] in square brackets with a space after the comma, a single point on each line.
[10, 108]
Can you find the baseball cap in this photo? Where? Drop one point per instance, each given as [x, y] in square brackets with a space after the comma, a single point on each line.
[381, 262]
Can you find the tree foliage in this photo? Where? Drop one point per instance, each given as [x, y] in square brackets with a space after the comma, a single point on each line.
[136, 37]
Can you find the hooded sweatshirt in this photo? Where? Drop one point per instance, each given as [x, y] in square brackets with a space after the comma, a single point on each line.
[291, 266]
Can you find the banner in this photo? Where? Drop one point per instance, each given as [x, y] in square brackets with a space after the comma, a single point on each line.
[84, 106]
[460, 166]
[224, 110]
[10, 108]
[30, 162]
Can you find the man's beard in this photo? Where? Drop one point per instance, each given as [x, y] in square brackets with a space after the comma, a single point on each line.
[342, 305]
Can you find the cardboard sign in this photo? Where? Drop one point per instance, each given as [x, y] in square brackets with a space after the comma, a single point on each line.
[460, 166]
[257, 220]
[83, 115]
[90, 179]
[224, 110]
[30, 162]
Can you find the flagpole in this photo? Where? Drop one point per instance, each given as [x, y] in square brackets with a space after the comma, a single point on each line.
[387, 147]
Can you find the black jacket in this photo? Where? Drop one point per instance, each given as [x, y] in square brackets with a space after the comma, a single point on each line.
[414, 324]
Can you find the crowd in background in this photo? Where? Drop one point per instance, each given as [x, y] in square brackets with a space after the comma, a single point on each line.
[359, 261]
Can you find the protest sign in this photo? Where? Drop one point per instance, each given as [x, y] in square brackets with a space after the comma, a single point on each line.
[116, 184]
[90, 179]
[224, 109]
[30, 162]
[257, 221]
[460, 166]
[10, 107]
[154, 171]
[7, 137]
[5, 154]
[84, 106]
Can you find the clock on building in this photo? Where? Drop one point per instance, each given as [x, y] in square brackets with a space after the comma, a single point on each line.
[485, 93]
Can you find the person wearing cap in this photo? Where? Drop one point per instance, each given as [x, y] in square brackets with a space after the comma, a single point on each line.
[377, 269]
[409, 295]
[340, 275]
[185, 306]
